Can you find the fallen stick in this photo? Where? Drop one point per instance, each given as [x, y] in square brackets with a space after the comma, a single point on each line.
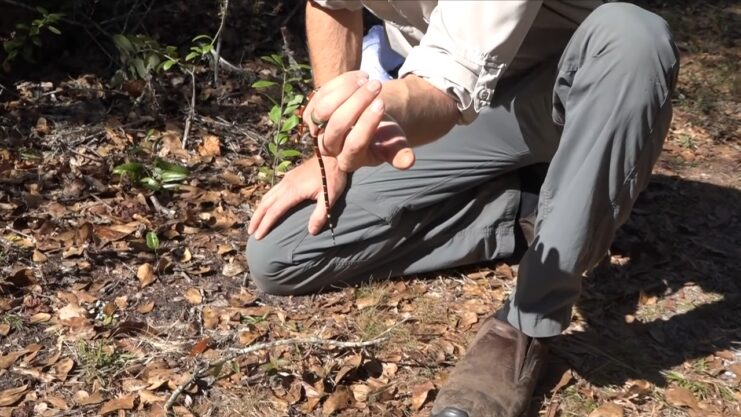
[202, 369]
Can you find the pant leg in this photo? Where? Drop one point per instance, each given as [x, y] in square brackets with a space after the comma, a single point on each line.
[612, 95]
[456, 206]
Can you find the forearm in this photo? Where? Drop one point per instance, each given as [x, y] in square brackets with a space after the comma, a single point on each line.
[335, 39]
[423, 112]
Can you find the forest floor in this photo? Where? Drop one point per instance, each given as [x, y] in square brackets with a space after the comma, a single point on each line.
[93, 321]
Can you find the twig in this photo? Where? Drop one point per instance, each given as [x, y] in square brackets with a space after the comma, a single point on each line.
[18, 232]
[219, 37]
[191, 110]
[159, 207]
[201, 370]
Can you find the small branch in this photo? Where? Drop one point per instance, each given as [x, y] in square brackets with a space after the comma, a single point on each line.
[218, 37]
[160, 208]
[191, 110]
[202, 369]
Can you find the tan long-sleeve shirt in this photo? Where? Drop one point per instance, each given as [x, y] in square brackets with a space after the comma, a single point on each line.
[465, 47]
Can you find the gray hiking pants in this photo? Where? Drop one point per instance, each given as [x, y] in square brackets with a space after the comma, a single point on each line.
[598, 116]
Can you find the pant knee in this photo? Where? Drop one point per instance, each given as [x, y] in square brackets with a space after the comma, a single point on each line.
[636, 35]
[270, 267]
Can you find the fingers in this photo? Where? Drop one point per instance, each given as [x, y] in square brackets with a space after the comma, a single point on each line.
[318, 217]
[355, 152]
[271, 209]
[391, 145]
[331, 96]
[345, 114]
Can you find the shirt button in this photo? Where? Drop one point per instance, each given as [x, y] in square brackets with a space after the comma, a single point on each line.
[484, 95]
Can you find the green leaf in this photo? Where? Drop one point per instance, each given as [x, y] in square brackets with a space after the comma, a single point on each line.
[170, 176]
[169, 166]
[153, 242]
[171, 186]
[274, 59]
[296, 100]
[290, 124]
[289, 153]
[152, 62]
[274, 115]
[54, 30]
[263, 84]
[134, 169]
[123, 43]
[168, 64]
[290, 110]
[141, 70]
[287, 88]
[273, 149]
[199, 37]
[281, 138]
[191, 56]
[151, 183]
[283, 166]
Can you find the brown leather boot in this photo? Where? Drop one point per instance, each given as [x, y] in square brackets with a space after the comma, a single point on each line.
[496, 377]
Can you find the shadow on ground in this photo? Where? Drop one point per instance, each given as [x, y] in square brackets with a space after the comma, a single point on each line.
[671, 294]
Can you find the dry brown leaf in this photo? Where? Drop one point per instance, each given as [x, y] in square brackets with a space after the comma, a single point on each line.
[247, 338]
[338, 400]
[608, 410]
[133, 385]
[210, 146]
[145, 308]
[360, 392]
[638, 387]
[83, 398]
[122, 403]
[193, 296]
[232, 269]
[468, 319]
[148, 397]
[7, 360]
[38, 257]
[4, 329]
[565, 379]
[349, 364]
[367, 301]
[420, 394]
[63, 367]
[39, 318]
[12, 395]
[70, 313]
[146, 275]
[736, 369]
[210, 318]
[200, 346]
[57, 402]
[681, 397]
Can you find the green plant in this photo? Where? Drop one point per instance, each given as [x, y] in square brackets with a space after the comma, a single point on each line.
[13, 320]
[143, 57]
[27, 37]
[160, 175]
[282, 114]
[98, 361]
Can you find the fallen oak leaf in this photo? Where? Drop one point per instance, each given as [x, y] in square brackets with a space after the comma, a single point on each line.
[338, 400]
[13, 395]
[681, 397]
[146, 275]
[122, 403]
[194, 296]
[82, 398]
[420, 393]
[608, 410]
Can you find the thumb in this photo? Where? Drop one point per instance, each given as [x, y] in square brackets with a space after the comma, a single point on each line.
[318, 217]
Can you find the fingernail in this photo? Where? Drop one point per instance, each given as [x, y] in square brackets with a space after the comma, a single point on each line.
[377, 106]
[362, 81]
[373, 85]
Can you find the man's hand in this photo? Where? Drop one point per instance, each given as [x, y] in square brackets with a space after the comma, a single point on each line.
[300, 184]
[357, 131]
